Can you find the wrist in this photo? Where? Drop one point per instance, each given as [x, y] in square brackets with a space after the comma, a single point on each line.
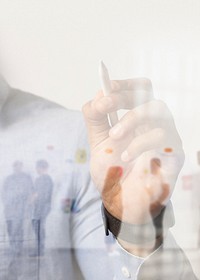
[137, 234]
[142, 250]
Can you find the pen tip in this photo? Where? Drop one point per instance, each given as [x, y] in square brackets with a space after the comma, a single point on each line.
[102, 67]
[102, 63]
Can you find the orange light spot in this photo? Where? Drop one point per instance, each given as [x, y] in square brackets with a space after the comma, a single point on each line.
[108, 151]
[168, 150]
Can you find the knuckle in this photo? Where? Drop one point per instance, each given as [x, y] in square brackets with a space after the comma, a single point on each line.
[161, 106]
[86, 108]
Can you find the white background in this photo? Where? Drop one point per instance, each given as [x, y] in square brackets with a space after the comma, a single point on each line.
[52, 48]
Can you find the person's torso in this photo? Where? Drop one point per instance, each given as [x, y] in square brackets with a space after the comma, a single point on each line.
[44, 132]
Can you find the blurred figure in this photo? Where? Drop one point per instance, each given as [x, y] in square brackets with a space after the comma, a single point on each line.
[17, 190]
[43, 187]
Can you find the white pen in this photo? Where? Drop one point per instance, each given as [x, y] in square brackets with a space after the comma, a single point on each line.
[105, 83]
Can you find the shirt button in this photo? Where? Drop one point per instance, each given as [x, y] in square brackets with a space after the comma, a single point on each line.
[125, 272]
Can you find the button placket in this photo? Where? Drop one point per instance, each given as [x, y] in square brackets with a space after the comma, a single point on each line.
[126, 272]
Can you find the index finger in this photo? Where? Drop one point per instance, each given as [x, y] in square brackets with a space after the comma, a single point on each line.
[131, 84]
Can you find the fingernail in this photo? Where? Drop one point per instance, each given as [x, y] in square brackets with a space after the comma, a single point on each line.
[116, 130]
[125, 156]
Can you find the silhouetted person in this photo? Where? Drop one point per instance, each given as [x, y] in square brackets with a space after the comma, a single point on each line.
[17, 190]
[42, 203]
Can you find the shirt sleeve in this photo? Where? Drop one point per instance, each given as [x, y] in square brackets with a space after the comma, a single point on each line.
[99, 257]
[167, 262]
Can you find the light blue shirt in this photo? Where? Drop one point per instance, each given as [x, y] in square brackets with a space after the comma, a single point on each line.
[69, 242]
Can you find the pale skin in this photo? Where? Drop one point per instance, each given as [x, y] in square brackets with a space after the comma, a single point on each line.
[133, 187]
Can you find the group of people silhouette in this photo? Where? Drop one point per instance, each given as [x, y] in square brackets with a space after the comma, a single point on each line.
[27, 199]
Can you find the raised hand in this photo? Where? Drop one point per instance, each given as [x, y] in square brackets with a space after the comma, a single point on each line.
[134, 164]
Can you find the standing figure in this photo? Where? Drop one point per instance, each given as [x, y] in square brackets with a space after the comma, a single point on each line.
[42, 203]
[16, 193]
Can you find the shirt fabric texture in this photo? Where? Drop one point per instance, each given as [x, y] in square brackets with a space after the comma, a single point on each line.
[65, 203]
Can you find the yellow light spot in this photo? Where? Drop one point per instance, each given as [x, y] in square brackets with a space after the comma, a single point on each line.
[80, 156]
[109, 151]
[146, 171]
